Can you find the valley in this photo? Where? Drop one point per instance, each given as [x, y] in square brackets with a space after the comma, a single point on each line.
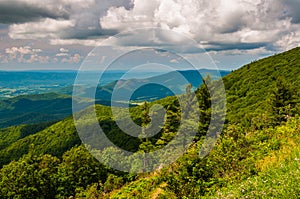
[256, 156]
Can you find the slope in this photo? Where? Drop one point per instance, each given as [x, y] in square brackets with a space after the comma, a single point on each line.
[250, 141]
[250, 88]
[157, 87]
[243, 152]
[31, 109]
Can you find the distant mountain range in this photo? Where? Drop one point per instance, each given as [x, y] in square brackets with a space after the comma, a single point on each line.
[149, 89]
[257, 152]
[15, 83]
[45, 107]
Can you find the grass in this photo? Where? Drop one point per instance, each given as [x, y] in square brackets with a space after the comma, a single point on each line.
[279, 175]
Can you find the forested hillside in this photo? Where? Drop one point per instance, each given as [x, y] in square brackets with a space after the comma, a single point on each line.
[256, 156]
[56, 105]
[33, 109]
[255, 89]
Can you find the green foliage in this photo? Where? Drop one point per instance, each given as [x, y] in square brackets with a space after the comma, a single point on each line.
[30, 177]
[12, 134]
[77, 170]
[249, 89]
[46, 176]
[32, 109]
[278, 175]
[54, 140]
[257, 155]
[204, 100]
[113, 182]
[249, 138]
[282, 101]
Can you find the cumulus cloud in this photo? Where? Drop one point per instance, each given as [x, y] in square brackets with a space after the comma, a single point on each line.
[37, 58]
[290, 40]
[84, 42]
[76, 58]
[27, 54]
[63, 50]
[22, 50]
[46, 28]
[57, 19]
[219, 24]
[216, 24]
[24, 54]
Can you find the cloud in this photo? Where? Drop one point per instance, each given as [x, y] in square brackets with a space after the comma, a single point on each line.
[46, 28]
[24, 54]
[24, 11]
[222, 24]
[37, 58]
[76, 58]
[290, 40]
[27, 54]
[21, 50]
[174, 61]
[84, 42]
[63, 50]
[293, 10]
[216, 25]
[58, 19]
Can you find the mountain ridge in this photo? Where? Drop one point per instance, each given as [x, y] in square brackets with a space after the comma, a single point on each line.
[255, 139]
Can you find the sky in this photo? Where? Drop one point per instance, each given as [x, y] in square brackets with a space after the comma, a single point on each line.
[66, 34]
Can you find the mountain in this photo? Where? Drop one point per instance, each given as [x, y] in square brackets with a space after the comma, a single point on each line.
[256, 156]
[30, 109]
[34, 109]
[57, 138]
[258, 152]
[172, 83]
[46, 107]
[250, 88]
[15, 83]
[39, 108]
[153, 88]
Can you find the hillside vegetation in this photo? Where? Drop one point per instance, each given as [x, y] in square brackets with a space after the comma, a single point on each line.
[256, 156]
[48, 107]
[251, 89]
[33, 109]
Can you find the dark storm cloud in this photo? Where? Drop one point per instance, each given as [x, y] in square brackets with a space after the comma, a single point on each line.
[234, 46]
[58, 19]
[20, 12]
[293, 10]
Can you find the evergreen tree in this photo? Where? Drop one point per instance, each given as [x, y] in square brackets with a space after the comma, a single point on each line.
[282, 104]
[146, 145]
[172, 121]
[204, 100]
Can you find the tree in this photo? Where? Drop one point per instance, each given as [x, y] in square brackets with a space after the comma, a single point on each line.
[146, 145]
[77, 170]
[190, 116]
[204, 100]
[30, 177]
[282, 104]
[172, 121]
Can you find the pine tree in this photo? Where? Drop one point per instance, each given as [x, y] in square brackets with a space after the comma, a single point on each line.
[281, 102]
[146, 145]
[204, 100]
[190, 116]
[172, 121]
